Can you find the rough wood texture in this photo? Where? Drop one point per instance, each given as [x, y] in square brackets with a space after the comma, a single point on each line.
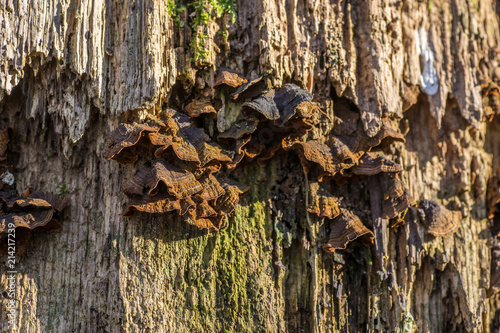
[70, 69]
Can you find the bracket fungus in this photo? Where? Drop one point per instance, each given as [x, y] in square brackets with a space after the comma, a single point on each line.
[228, 78]
[369, 165]
[186, 168]
[186, 183]
[22, 216]
[346, 228]
[35, 213]
[438, 220]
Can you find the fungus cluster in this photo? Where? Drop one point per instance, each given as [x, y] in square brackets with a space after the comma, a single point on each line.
[187, 170]
[182, 173]
[21, 216]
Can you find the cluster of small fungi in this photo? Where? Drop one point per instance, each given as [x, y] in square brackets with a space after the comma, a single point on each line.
[188, 170]
[20, 217]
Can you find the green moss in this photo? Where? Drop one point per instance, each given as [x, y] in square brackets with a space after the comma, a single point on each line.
[174, 11]
[204, 10]
[197, 45]
[61, 188]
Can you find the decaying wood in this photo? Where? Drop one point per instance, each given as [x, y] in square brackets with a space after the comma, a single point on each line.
[72, 71]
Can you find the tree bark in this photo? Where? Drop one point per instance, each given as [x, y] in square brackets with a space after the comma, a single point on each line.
[72, 70]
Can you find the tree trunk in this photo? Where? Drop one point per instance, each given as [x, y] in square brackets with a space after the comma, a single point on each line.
[73, 70]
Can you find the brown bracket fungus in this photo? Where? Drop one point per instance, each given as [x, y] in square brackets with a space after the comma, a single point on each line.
[125, 144]
[369, 166]
[186, 170]
[199, 107]
[22, 216]
[228, 78]
[36, 213]
[438, 220]
[346, 228]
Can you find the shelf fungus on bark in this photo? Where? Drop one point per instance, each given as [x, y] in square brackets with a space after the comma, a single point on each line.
[164, 188]
[438, 220]
[179, 183]
[185, 166]
[199, 107]
[396, 199]
[322, 203]
[494, 269]
[370, 165]
[288, 99]
[228, 78]
[346, 228]
[329, 158]
[268, 118]
[128, 140]
[339, 153]
[251, 89]
[264, 106]
[186, 183]
[35, 213]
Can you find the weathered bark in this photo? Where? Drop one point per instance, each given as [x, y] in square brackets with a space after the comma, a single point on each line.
[71, 70]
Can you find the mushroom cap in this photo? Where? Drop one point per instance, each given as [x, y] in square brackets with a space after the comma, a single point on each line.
[229, 78]
[369, 165]
[438, 220]
[344, 229]
[199, 107]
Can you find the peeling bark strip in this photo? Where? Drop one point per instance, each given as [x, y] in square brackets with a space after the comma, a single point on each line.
[425, 71]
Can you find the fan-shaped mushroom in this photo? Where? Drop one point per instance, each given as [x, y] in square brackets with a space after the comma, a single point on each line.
[228, 78]
[34, 213]
[369, 165]
[344, 229]
[125, 143]
[198, 107]
[287, 99]
[250, 89]
[438, 220]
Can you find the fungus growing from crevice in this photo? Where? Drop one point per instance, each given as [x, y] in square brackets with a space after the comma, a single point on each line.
[186, 183]
[36, 213]
[228, 78]
[20, 217]
[438, 220]
[199, 107]
[370, 165]
[185, 170]
[346, 228]
[396, 199]
[127, 141]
